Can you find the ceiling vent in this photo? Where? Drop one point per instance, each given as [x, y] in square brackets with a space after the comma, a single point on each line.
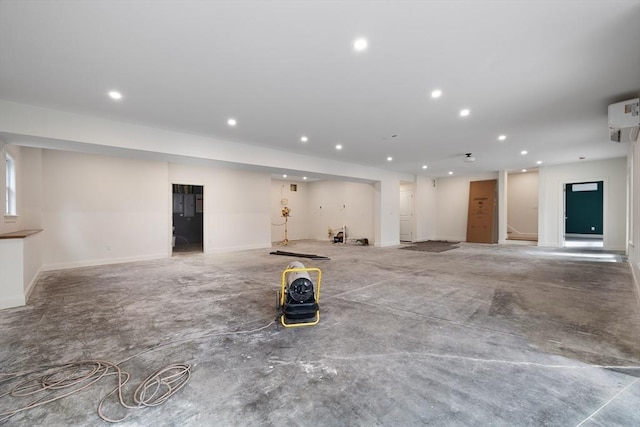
[624, 121]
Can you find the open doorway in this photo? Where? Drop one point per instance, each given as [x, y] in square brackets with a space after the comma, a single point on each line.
[583, 214]
[188, 214]
[522, 207]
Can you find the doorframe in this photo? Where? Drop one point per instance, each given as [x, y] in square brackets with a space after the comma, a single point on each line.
[204, 213]
[605, 203]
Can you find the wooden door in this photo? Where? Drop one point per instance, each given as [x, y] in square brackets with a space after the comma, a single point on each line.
[481, 218]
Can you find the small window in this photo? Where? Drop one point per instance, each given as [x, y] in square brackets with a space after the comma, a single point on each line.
[293, 187]
[589, 186]
[10, 203]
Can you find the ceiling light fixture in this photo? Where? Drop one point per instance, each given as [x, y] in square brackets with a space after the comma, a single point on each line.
[436, 93]
[304, 177]
[539, 162]
[339, 147]
[360, 44]
[502, 137]
[424, 166]
[450, 172]
[115, 95]
[524, 170]
[464, 112]
[232, 122]
[524, 152]
[284, 176]
[304, 139]
[389, 159]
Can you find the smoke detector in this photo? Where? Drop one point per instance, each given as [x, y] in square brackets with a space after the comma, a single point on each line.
[468, 158]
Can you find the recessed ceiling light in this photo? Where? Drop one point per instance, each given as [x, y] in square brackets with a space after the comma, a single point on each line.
[114, 94]
[338, 147]
[436, 93]
[524, 170]
[502, 137]
[304, 139]
[304, 177]
[450, 172]
[284, 175]
[424, 166]
[360, 44]
[539, 162]
[232, 122]
[389, 159]
[464, 112]
[524, 152]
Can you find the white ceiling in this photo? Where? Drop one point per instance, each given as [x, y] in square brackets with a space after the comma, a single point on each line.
[541, 72]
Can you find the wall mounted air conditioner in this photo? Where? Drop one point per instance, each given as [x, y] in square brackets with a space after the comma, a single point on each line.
[624, 120]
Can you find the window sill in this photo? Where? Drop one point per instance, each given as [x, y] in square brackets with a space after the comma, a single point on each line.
[10, 218]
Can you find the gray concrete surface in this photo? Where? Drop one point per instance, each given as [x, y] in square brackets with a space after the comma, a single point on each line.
[479, 335]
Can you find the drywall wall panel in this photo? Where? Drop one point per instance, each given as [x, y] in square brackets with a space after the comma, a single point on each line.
[334, 204]
[634, 211]
[613, 172]
[522, 205]
[452, 195]
[299, 222]
[236, 206]
[101, 209]
[30, 190]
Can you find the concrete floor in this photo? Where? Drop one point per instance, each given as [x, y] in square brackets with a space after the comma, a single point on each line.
[479, 335]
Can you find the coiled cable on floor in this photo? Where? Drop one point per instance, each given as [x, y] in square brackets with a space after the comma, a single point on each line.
[50, 383]
[60, 381]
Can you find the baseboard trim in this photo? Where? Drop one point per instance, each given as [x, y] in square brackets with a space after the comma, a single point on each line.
[388, 244]
[32, 285]
[227, 249]
[108, 261]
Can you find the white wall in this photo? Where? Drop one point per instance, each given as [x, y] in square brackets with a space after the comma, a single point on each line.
[551, 199]
[426, 209]
[299, 223]
[333, 204]
[101, 210]
[236, 206]
[453, 205]
[44, 127]
[522, 204]
[634, 212]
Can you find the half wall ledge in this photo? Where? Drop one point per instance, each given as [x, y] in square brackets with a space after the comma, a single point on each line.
[20, 266]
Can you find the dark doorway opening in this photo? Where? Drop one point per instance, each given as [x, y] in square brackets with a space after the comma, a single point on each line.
[584, 218]
[188, 218]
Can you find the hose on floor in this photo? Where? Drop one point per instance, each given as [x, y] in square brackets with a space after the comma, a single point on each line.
[56, 382]
[49, 383]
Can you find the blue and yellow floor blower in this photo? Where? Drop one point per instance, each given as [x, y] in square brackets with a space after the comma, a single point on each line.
[298, 297]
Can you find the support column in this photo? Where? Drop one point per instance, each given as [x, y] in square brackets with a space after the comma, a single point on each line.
[502, 207]
[387, 212]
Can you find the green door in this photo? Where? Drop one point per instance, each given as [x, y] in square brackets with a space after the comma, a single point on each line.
[583, 208]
